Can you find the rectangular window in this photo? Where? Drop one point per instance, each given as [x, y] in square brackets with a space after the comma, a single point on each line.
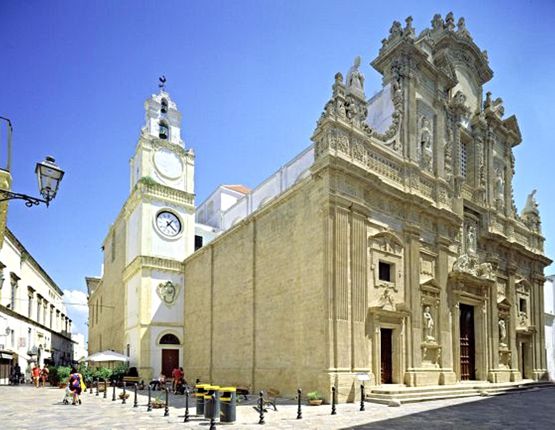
[38, 308]
[198, 242]
[30, 304]
[464, 157]
[384, 271]
[522, 305]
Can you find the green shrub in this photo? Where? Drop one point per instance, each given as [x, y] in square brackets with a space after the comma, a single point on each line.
[120, 371]
[86, 373]
[102, 374]
[53, 377]
[314, 395]
[63, 372]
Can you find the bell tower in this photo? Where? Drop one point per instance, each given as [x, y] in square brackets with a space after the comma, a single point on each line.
[159, 235]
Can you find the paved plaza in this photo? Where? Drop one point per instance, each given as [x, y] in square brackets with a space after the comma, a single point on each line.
[25, 407]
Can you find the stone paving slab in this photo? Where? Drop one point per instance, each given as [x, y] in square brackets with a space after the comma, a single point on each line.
[26, 407]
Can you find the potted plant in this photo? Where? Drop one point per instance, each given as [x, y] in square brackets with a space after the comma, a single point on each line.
[157, 403]
[122, 395]
[314, 398]
[62, 373]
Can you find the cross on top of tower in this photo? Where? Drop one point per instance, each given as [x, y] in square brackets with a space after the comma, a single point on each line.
[162, 84]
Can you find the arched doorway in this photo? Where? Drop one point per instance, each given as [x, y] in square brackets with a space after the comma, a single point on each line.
[170, 355]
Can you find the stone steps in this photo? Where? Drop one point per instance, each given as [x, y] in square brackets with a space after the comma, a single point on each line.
[397, 395]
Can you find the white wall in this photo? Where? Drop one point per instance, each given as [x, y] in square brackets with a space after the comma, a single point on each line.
[549, 305]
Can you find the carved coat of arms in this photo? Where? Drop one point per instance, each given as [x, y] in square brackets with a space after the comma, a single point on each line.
[167, 291]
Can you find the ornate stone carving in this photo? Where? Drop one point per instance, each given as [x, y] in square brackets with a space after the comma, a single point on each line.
[425, 144]
[167, 291]
[355, 78]
[471, 243]
[502, 333]
[499, 188]
[530, 214]
[470, 265]
[428, 321]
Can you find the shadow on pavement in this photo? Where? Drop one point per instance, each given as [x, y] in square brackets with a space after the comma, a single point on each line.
[530, 410]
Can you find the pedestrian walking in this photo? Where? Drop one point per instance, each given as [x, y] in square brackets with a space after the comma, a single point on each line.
[75, 380]
[35, 373]
[44, 375]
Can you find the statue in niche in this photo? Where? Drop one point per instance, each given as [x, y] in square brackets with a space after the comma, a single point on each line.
[426, 153]
[355, 78]
[471, 240]
[428, 324]
[502, 333]
[499, 185]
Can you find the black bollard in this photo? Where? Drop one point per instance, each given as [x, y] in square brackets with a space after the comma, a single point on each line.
[123, 402]
[361, 397]
[213, 414]
[97, 387]
[166, 410]
[261, 408]
[114, 391]
[299, 411]
[333, 411]
[149, 404]
[186, 419]
[90, 387]
[135, 403]
[105, 389]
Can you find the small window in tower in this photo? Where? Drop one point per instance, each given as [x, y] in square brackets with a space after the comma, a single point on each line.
[384, 271]
[164, 108]
[198, 242]
[164, 132]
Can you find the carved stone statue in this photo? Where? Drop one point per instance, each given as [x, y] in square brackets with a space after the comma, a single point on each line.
[502, 333]
[355, 78]
[471, 240]
[428, 324]
[499, 185]
[437, 22]
[425, 149]
[531, 203]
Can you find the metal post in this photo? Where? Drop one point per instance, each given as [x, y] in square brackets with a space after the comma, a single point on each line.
[212, 415]
[186, 419]
[299, 411]
[135, 404]
[261, 408]
[361, 397]
[105, 389]
[114, 391]
[124, 394]
[97, 387]
[333, 411]
[166, 410]
[90, 387]
[149, 404]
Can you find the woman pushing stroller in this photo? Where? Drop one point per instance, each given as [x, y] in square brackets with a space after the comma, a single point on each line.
[76, 385]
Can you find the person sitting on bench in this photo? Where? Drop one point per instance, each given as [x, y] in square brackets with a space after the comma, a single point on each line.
[158, 384]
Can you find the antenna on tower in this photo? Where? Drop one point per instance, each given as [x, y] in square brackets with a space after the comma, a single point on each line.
[162, 84]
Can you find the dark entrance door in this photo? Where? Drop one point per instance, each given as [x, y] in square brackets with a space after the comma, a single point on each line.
[523, 347]
[170, 360]
[468, 365]
[387, 368]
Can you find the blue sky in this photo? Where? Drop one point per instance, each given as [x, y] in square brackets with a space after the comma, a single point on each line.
[250, 77]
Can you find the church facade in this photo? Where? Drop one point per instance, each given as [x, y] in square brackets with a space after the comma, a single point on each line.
[398, 256]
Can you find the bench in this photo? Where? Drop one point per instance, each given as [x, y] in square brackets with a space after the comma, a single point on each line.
[268, 399]
[132, 379]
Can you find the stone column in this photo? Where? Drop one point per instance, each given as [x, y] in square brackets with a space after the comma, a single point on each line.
[447, 375]
[513, 318]
[493, 335]
[412, 299]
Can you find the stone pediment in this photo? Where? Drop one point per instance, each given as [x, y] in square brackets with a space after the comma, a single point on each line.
[467, 267]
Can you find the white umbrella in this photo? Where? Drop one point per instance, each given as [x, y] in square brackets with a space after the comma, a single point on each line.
[99, 357]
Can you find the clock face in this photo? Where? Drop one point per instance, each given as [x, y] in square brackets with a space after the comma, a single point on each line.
[168, 163]
[168, 223]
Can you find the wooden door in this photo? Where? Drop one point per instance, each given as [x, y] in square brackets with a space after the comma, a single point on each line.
[468, 365]
[170, 360]
[386, 353]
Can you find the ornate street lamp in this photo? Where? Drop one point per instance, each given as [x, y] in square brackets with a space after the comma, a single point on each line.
[48, 174]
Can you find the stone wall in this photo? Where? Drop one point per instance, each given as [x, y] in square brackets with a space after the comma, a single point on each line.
[254, 299]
